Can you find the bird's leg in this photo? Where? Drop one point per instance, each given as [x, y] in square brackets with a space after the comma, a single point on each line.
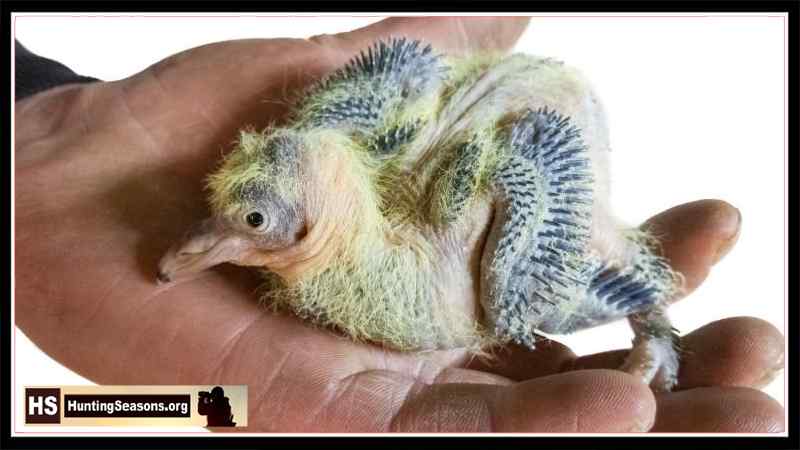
[655, 353]
[638, 283]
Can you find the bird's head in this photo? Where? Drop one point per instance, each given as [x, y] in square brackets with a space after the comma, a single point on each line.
[257, 198]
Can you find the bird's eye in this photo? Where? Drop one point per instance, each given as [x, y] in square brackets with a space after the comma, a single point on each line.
[255, 219]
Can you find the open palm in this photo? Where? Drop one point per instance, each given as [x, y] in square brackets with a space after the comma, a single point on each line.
[109, 174]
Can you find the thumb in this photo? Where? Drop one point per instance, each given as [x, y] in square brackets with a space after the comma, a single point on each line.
[252, 81]
[452, 35]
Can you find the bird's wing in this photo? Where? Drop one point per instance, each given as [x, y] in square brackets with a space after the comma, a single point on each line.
[371, 95]
[539, 270]
[535, 259]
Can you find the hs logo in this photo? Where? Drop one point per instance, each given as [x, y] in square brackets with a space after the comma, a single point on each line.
[42, 405]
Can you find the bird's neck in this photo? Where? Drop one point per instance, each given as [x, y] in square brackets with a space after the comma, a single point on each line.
[340, 208]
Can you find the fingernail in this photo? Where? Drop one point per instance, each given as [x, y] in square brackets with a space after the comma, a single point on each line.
[771, 373]
[642, 425]
[728, 244]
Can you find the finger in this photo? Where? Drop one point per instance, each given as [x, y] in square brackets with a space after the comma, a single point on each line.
[695, 236]
[453, 35]
[587, 401]
[719, 409]
[738, 351]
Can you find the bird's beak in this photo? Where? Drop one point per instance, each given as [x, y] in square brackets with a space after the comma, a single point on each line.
[203, 246]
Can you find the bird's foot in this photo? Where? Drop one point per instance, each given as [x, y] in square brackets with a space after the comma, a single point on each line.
[656, 361]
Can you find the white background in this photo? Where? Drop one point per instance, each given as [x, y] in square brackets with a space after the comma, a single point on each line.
[696, 109]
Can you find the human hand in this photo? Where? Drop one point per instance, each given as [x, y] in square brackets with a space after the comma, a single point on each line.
[108, 175]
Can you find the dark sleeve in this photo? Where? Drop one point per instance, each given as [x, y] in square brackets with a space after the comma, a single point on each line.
[33, 73]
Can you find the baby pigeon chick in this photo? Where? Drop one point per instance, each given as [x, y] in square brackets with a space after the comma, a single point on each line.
[422, 202]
